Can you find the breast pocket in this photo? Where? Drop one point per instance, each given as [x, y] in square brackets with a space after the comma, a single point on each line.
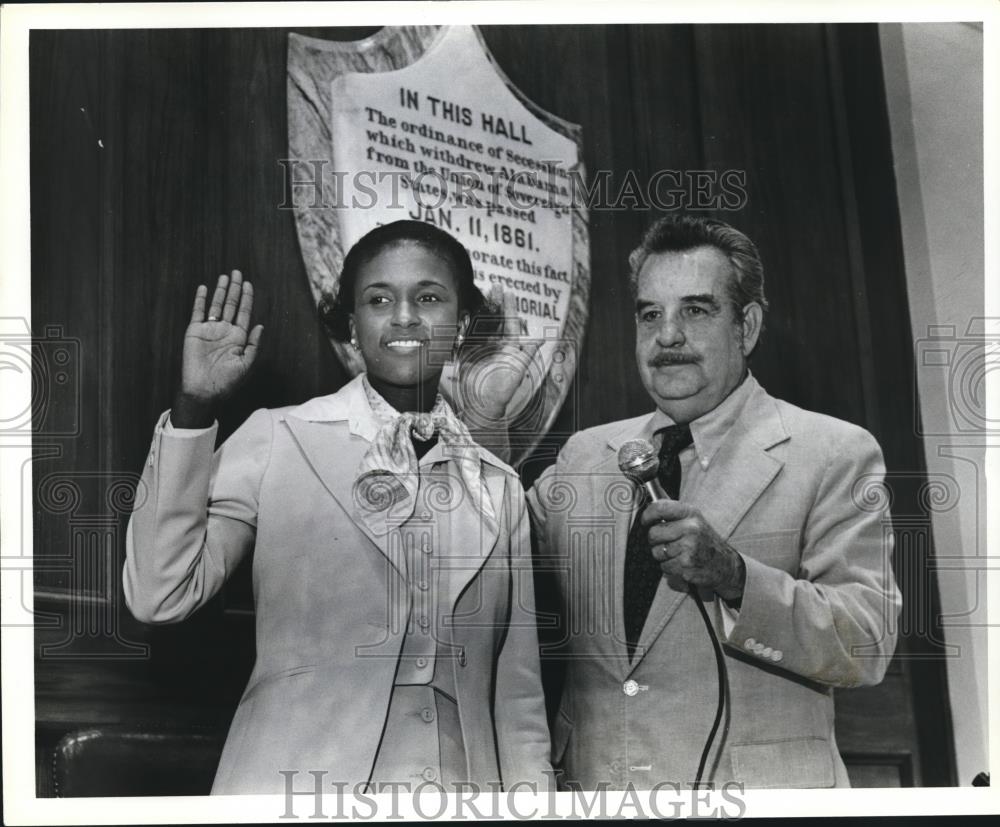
[780, 549]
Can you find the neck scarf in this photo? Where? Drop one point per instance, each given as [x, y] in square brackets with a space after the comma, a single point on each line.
[385, 491]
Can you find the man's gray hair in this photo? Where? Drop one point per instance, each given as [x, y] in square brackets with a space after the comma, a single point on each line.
[678, 233]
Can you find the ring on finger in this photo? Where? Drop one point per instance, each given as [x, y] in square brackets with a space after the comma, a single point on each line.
[212, 319]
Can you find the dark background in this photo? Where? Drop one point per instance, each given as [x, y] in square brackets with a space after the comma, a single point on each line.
[155, 166]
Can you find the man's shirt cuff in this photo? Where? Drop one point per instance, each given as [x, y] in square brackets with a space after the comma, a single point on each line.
[168, 428]
[730, 617]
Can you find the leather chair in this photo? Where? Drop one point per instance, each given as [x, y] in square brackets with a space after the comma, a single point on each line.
[125, 761]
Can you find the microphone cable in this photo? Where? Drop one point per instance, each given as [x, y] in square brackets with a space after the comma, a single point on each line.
[723, 709]
[639, 463]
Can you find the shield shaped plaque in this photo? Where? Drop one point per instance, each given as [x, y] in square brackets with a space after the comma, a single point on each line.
[419, 122]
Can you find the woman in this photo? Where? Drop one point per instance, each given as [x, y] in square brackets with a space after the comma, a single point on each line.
[392, 580]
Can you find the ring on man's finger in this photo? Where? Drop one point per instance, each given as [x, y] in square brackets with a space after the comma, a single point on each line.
[212, 319]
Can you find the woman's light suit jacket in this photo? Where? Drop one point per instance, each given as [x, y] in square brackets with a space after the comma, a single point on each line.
[331, 598]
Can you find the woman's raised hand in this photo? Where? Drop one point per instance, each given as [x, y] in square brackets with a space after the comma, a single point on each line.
[219, 349]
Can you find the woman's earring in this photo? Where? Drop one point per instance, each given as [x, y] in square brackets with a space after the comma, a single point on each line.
[354, 343]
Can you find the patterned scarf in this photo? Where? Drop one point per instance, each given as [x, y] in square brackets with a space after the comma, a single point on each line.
[385, 490]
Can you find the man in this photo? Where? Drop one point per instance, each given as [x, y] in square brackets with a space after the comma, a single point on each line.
[775, 526]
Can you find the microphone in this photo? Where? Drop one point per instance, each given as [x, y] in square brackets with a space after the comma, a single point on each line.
[637, 460]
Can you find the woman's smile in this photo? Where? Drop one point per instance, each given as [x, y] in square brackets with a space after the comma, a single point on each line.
[406, 344]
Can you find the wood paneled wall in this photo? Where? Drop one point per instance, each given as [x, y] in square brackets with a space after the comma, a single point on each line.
[155, 166]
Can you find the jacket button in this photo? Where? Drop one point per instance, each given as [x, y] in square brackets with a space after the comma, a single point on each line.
[461, 656]
[750, 643]
[425, 547]
[424, 621]
[423, 585]
[777, 655]
[767, 651]
[429, 774]
[630, 688]
[421, 662]
[427, 714]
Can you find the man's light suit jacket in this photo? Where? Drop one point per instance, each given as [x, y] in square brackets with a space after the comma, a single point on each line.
[331, 598]
[800, 495]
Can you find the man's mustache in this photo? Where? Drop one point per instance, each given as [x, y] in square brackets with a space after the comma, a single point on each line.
[666, 358]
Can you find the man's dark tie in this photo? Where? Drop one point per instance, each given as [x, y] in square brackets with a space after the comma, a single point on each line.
[642, 572]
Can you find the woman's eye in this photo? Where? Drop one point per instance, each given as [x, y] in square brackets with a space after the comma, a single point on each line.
[429, 297]
[378, 300]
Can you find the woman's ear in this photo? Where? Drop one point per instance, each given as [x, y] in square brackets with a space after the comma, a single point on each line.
[463, 325]
[354, 332]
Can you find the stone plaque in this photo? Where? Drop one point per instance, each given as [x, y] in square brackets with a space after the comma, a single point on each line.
[420, 123]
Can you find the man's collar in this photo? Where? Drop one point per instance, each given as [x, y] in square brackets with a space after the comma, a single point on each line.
[710, 429]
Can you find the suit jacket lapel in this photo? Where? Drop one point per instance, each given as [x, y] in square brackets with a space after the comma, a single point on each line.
[472, 540]
[623, 514]
[608, 481]
[334, 454]
[739, 474]
[665, 603]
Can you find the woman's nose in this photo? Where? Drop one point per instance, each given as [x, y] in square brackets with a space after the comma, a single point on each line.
[405, 314]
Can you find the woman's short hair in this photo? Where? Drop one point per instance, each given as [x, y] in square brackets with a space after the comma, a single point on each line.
[335, 311]
[678, 233]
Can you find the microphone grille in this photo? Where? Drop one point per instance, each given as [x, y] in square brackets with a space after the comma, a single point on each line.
[638, 461]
